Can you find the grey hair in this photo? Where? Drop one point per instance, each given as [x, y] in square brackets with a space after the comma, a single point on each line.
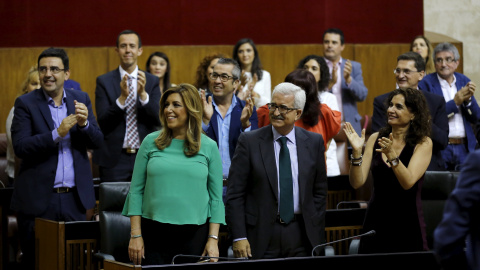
[447, 47]
[287, 88]
[236, 72]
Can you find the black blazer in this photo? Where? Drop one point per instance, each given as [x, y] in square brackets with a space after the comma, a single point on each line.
[252, 193]
[32, 141]
[112, 119]
[436, 105]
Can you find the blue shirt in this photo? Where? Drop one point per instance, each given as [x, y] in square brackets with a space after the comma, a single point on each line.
[223, 134]
[65, 175]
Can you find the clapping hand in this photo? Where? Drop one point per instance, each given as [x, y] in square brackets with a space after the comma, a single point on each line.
[207, 107]
[355, 141]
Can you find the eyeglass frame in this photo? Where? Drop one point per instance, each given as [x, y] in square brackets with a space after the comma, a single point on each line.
[405, 71]
[447, 60]
[221, 76]
[282, 109]
[54, 70]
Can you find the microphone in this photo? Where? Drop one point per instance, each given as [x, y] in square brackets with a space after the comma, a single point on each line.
[369, 233]
[206, 258]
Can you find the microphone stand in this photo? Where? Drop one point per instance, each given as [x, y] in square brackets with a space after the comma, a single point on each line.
[369, 233]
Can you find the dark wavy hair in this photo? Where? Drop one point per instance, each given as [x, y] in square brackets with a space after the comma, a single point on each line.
[256, 64]
[201, 77]
[305, 80]
[420, 126]
[324, 71]
[166, 77]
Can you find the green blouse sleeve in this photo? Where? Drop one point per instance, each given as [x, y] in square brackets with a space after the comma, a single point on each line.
[215, 185]
[134, 200]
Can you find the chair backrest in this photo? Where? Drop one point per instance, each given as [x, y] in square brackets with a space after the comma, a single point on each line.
[437, 186]
[341, 224]
[114, 228]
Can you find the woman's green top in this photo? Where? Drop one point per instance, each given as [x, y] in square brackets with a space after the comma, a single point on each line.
[169, 187]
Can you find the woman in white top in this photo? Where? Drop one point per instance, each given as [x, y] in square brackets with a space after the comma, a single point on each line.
[318, 67]
[254, 78]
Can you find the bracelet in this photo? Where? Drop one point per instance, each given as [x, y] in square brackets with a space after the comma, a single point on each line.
[358, 163]
[213, 236]
[86, 123]
[136, 236]
[352, 158]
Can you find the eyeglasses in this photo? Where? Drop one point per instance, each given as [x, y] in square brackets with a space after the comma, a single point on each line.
[281, 108]
[223, 77]
[405, 71]
[447, 60]
[54, 70]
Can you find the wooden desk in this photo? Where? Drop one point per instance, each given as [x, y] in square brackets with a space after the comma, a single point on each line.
[65, 245]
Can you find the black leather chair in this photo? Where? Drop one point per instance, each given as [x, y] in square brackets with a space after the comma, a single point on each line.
[437, 186]
[114, 228]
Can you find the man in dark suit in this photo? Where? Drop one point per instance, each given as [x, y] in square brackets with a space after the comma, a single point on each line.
[127, 104]
[277, 188]
[225, 116]
[457, 237]
[346, 78]
[409, 72]
[461, 106]
[51, 131]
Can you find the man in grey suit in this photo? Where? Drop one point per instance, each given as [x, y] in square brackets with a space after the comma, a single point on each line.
[346, 78]
[277, 186]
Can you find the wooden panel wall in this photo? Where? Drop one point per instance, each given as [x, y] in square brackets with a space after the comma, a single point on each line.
[87, 63]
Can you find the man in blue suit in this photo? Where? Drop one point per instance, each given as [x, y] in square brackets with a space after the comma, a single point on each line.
[346, 78]
[409, 72]
[461, 106]
[225, 116]
[457, 237]
[51, 131]
[125, 127]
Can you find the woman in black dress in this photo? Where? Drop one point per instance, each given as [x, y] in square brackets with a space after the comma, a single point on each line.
[397, 156]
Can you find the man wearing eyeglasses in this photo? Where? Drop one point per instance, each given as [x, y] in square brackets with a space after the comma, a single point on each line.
[409, 72]
[127, 105]
[52, 129]
[225, 116]
[461, 105]
[276, 196]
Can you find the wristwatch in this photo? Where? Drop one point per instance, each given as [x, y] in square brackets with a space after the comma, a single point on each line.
[394, 162]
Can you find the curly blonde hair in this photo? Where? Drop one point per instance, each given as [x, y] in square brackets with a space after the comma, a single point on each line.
[193, 104]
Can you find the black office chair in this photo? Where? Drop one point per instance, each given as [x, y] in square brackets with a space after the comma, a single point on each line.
[114, 228]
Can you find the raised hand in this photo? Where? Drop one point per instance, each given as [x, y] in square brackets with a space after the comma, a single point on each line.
[141, 81]
[347, 71]
[334, 78]
[355, 141]
[247, 113]
[67, 123]
[81, 113]
[207, 107]
[124, 90]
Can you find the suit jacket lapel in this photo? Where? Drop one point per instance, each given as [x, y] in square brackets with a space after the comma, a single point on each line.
[44, 109]
[436, 86]
[116, 85]
[302, 157]
[268, 157]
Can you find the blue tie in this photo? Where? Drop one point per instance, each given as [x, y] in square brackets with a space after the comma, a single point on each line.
[286, 186]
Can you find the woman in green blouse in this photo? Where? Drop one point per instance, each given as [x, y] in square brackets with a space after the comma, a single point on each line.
[175, 200]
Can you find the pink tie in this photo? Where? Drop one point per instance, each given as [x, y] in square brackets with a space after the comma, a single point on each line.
[132, 131]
